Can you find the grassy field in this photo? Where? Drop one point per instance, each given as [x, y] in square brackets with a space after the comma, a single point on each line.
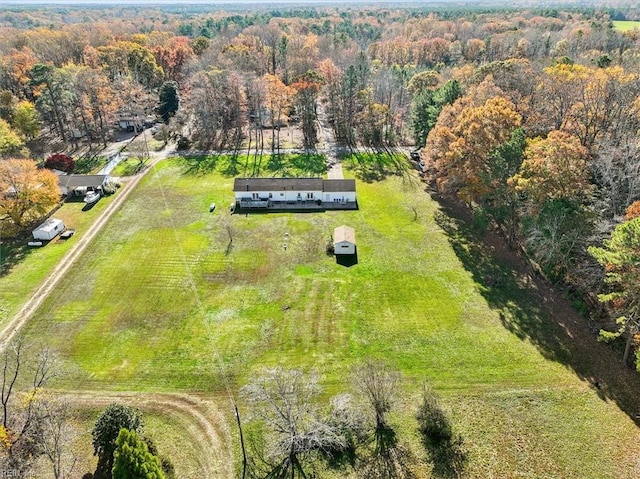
[625, 26]
[171, 297]
[23, 268]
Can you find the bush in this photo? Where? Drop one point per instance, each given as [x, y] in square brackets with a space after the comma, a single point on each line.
[183, 143]
[60, 161]
[110, 188]
[433, 423]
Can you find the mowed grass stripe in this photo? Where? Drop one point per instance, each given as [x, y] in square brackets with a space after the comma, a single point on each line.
[130, 322]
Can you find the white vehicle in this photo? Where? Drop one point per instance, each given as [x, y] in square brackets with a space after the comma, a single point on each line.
[48, 230]
[91, 197]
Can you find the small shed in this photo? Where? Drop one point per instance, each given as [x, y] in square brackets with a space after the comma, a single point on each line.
[48, 230]
[344, 240]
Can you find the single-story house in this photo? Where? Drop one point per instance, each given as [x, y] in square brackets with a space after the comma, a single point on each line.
[291, 193]
[344, 240]
[79, 185]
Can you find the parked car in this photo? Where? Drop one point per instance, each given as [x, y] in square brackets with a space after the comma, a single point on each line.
[212, 207]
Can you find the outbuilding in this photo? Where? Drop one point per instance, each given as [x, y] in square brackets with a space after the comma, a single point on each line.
[344, 240]
[48, 230]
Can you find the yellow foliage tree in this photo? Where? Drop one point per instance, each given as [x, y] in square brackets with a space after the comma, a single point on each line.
[554, 168]
[26, 192]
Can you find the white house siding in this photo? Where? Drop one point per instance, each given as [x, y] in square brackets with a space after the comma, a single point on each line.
[280, 195]
[344, 247]
[337, 196]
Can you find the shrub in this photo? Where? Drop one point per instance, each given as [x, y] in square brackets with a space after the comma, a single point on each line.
[60, 161]
[433, 423]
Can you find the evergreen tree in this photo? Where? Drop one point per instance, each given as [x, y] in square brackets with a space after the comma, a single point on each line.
[133, 459]
[106, 431]
[169, 101]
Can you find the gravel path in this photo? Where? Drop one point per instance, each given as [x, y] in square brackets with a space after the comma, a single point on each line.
[329, 145]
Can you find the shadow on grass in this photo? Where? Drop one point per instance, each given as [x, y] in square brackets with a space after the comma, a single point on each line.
[390, 460]
[199, 165]
[449, 459]
[532, 310]
[377, 165]
[13, 252]
[347, 260]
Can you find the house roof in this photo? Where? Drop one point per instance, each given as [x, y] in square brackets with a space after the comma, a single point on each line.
[49, 225]
[74, 181]
[293, 184]
[344, 233]
[335, 186]
[277, 184]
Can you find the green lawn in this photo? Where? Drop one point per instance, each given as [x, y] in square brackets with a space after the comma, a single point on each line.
[23, 268]
[164, 301]
[624, 25]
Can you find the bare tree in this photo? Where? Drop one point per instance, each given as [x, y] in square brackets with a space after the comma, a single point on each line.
[22, 411]
[295, 431]
[56, 436]
[378, 382]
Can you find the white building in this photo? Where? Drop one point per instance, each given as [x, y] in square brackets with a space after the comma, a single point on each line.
[344, 240]
[48, 230]
[292, 193]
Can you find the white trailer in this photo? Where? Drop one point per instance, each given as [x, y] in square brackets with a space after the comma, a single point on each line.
[48, 230]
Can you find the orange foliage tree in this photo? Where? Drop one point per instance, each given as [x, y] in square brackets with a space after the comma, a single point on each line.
[459, 147]
[554, 168]
[27, 193]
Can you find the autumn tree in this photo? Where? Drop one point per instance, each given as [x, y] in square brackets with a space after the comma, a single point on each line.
[306, 90]
[28, 193]
[125, 58]
[11, 142]
[95, 102]
[278, 100]
[173, 56]
[460, 145]
[554, 184]
[218, 105]
[133, 459]
[554, 167]
[372, 122]
[60, 161]
[26, 119]
[105, 433]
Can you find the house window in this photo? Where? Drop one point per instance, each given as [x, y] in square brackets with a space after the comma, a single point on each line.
[255, 196]
[270, 195]
[309, 196]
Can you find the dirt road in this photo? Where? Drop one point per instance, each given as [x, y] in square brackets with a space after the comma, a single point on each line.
[14, 325]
